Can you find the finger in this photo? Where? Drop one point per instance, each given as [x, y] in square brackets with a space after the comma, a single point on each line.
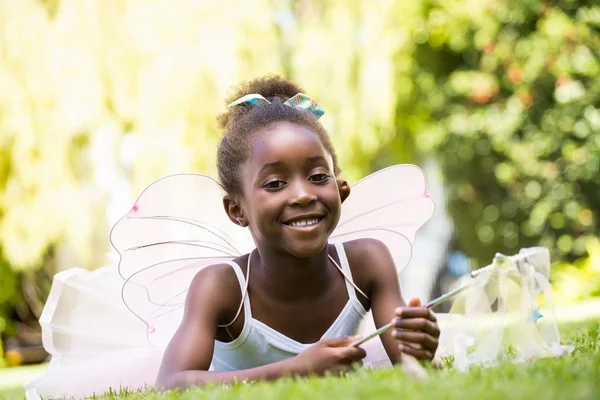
[418, 338]
[341, 341]
[415, 346]
[418, 354]
[354, 353]
[415, 312]
[417, 324]
[414, 302]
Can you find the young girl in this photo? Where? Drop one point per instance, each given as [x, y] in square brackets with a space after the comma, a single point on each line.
[254, 317]
[293, 304]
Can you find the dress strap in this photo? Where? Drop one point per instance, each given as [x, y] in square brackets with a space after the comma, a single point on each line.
[345, 270]
[245, 303]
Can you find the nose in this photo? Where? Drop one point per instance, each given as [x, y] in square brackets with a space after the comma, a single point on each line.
[302, 194]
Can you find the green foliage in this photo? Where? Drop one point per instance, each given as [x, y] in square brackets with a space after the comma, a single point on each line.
[506, 95]
[8, 295]
[581, 279]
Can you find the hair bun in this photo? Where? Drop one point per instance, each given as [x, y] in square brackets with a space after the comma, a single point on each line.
[269, 86]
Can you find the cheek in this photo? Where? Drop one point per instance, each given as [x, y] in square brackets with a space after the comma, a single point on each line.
[265, 205]
[332, 198]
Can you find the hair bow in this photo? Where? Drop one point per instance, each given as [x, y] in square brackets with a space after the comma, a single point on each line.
[300, 101]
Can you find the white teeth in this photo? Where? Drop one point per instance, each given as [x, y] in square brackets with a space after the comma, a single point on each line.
[305, 222]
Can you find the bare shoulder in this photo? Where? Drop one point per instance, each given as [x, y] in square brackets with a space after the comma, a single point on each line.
[216, 287]
[367, 251]
[216, 276]
[370, 262]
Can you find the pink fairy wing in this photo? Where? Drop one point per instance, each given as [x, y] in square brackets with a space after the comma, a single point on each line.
[389, 205]
[177, 216]
[176, 227]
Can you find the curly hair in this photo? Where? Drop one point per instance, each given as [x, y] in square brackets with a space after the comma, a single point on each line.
[240, 123]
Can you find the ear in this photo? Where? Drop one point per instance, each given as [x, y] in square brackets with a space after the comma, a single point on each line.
[344, 189]
[234, 211]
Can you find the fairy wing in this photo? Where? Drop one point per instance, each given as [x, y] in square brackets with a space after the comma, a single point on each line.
[389, 205]
[175, 228]
[91, 320]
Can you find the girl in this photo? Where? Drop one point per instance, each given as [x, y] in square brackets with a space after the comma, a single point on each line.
[288, 305]
[254, 317]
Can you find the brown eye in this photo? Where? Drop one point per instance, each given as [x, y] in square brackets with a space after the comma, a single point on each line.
[320, 178]
[276, 184]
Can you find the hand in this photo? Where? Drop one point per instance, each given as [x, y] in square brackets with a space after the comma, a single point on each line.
[328, 355]
[417, 329]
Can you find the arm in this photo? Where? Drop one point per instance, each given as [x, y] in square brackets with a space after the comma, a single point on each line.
[385, 295]
[416, 329]
[189, 354]
[186, 379]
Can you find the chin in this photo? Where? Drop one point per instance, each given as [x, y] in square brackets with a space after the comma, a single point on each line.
[306, 250]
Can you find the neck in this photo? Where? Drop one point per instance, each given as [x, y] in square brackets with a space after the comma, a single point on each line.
[291, 278]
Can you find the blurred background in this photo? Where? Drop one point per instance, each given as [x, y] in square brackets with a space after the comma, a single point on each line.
[497, 100]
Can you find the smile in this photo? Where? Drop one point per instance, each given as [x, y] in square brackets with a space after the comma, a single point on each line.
[305, 223]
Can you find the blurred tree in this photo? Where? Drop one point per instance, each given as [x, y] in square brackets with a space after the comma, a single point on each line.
[506, 95]
[95, 97]
[580, 280]
[98, 99]
[8, 296]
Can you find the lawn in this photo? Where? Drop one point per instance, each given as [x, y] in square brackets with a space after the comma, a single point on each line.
[572, 377]
[11, 380]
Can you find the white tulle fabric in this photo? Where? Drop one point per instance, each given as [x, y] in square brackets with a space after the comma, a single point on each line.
[498, 317]
[108, 328]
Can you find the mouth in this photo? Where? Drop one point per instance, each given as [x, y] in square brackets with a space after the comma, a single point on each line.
[305, 222]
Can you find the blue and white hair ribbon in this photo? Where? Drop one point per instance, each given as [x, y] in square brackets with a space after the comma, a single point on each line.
[299, 101]
[307, 103]
[249, 100]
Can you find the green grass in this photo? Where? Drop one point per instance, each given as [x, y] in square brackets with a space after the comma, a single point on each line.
[12, 379]
[576, 376]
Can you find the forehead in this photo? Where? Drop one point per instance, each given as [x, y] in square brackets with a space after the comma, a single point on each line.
[287, 143]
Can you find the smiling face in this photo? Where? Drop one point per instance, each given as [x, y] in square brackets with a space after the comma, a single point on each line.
[291, 200]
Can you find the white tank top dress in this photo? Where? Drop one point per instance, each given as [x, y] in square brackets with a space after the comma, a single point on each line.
[259, 344]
